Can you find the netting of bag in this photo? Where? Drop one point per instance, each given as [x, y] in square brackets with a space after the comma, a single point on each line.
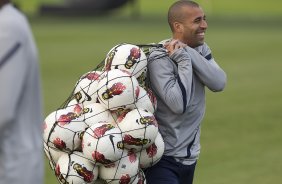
[105, 131]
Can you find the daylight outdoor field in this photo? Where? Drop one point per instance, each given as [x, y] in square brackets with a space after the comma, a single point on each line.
[241, 133]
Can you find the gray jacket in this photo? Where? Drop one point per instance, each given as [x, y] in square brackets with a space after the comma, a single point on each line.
[179, 83]
[21, 124]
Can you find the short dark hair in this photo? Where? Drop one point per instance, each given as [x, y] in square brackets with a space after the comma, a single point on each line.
[174, 12]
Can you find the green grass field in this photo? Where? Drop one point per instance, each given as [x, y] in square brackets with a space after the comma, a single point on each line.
[241, 132]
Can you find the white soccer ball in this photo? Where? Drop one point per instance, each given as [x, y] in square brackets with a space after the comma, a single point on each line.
[121, 171]
[86, 88]
[151, 155]
[146, 101]
[95, 113]
[118, 90]
[74, 168]
[127, 57]
[63, 129]
[139, 129]
[102, 143]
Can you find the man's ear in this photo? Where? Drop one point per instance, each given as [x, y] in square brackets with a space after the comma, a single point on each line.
[178, 27]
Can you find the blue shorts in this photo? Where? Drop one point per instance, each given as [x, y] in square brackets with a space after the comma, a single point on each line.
[169, 171]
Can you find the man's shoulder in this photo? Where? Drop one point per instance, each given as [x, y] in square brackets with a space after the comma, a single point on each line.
[12, 19]
[157, 52]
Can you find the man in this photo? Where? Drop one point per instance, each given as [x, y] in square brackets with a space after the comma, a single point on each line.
[21, 145]
[179, 73]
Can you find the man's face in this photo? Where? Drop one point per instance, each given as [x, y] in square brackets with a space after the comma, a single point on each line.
[194, 26]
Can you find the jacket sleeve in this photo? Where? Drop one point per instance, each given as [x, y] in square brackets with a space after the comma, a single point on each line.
[207, 69]
[171, 78]
[13, 71]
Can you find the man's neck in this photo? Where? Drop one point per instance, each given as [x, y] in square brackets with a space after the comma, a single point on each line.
[180, 38]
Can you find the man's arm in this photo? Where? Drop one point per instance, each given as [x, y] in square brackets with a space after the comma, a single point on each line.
[174, 88]
[207, 69]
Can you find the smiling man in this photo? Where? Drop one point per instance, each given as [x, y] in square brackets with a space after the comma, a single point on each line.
[179, 73]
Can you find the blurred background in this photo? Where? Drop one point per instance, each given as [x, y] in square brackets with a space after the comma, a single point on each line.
[241, 132]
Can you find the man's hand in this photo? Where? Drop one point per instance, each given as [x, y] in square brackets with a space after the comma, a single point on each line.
[173, 45]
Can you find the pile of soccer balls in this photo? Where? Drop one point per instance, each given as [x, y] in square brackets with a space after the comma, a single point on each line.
[106, 132]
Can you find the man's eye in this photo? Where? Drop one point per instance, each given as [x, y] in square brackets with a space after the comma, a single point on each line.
[197, 20]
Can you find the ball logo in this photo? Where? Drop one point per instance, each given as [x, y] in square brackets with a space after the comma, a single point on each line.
[101, 158]
[67, 118]
[132, 156]
[129, 140]
[125, 179]
[81, 134]
[78, 95]
[91, 76]
[149, 120]
[100, 131]
[132, 58]
[116, 89]
[83, 172]
[77, 109]
[120, 145]
[60, 144]
[152, 150]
